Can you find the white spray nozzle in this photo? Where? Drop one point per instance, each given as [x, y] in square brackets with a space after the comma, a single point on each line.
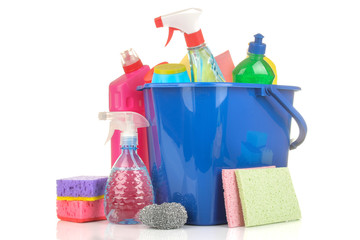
[126, 122]
[186, 21]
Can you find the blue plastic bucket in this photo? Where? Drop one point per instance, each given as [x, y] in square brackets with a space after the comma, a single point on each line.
[198, 129]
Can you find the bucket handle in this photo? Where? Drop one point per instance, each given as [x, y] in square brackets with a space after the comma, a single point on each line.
[271, 90]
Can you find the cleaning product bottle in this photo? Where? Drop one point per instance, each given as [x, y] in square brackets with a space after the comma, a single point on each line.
[273, 67]
[128, 188]
[170, 73]
[202, 63]
[254, 69]
[124, 97]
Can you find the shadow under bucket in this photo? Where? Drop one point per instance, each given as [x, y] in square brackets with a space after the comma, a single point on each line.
[198, 129]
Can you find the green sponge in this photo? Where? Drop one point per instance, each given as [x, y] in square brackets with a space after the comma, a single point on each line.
[267, 196]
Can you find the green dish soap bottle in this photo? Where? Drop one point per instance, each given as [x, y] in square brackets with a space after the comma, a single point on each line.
[254, 69]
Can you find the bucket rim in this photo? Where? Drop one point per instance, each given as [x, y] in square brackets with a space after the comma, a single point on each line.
[215, 84]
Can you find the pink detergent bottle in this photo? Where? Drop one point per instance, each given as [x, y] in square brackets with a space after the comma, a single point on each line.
[124, 97]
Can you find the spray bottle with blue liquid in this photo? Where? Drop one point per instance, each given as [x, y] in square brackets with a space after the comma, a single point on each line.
[202, 63]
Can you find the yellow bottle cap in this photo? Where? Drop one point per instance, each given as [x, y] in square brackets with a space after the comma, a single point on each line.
[171, 68]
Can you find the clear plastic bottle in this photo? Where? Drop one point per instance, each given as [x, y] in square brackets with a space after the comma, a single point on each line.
[203, 65]
[128, 188]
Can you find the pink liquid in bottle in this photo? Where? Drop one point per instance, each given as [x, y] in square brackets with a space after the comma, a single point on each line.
[128, 189]
[123, 96]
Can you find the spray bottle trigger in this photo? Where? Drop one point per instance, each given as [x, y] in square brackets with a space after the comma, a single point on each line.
[171, 32]
[110, 134]
[114, 125]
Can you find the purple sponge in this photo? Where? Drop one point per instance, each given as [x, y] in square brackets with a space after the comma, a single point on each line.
[83, 186]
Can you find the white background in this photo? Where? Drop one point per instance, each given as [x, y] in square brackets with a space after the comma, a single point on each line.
[58, 57]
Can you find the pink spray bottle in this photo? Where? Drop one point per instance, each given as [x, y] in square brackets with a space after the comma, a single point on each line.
[124, 97]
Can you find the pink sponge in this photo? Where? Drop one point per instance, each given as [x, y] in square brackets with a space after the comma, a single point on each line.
[226, 65]
[234, 214]
[81, 199]
[80, 211]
